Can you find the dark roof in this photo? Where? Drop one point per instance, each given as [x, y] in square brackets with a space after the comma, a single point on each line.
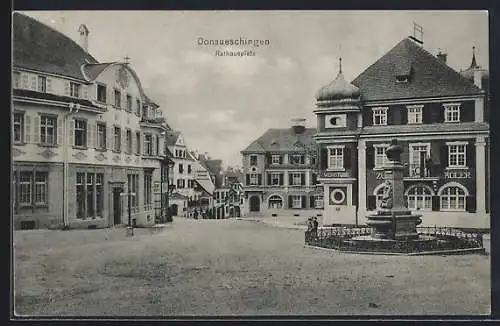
[436, 127]
[171, 137]
[53, 97]
[39, 47]
[428, 76]
[281, 140]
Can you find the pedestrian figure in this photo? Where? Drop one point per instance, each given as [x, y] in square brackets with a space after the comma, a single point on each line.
[428, 165]
[310, 227]
[315, 228]
[195, 214]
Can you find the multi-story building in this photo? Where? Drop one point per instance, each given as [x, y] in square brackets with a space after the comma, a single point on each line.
[84, 134]
[438, 117]
[281, 173]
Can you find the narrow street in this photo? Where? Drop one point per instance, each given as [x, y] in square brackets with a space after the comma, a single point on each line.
[229, 267]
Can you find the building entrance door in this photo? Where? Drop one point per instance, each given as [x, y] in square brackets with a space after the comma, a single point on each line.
[117, 206]
[254, 204]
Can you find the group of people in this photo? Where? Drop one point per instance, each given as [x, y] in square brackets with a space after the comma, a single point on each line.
[312, 229]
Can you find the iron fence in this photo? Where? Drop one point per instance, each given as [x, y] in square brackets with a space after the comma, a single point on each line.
[430, 239]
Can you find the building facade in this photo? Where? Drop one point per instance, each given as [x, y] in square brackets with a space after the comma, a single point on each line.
[280, 171]
[84, 135]
[439, 117]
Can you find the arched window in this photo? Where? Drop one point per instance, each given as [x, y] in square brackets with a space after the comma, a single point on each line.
[419, 197]
[275, 201]
[452, 198]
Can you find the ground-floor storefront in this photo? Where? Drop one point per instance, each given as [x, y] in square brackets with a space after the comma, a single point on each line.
[293, 202]
[95, 196]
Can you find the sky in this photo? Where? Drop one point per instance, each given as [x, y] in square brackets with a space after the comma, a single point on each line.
[221, 104]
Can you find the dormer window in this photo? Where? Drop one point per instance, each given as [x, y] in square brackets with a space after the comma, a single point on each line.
[74, 89]
[415, 114]
[402, 79]
[379, 116]
[276, 159]
[42, 84]
[118, 98]
[253, 160]
[101, 93]
[452, 112]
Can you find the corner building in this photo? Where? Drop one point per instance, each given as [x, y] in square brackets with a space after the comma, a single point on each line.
[84, 134]
[439, 117]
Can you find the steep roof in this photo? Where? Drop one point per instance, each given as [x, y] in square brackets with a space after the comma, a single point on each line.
[93, 70]
[171, 137]
[428, 76]
[34, 44]
[281, 140]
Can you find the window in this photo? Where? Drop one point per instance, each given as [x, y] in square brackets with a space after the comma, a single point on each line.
[118, 98]
[48, 129]
[138, 143]
[74, 89]
[419, 198]
[133, 186]
[18, 127]
[42, 84]
[16, 79]
[253, 179]
[189, 168]
[275, 160]
[380, 155]
[379, 116]
[296, 159]
[101, 136]
[33, 189]
[89, 195]
[157, 146]
[318, 201]
[117, 139]
[181, 168]
[101, 93]
[129, 141]
[415, 114]
[296, 179]
[419, 153]
[41, 188]
[456, 155]
[336, 158]
[25, 189]
[275, 202]
[296, 202]
[138, 107]
[148, 177]
[129, 103]
[275, 179]
[452, 112]
[180, 183]
[148, 146]
[453, 198]
[253, 159]
[80, 133]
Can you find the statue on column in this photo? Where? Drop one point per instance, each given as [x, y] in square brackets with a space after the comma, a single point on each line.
[386, 201]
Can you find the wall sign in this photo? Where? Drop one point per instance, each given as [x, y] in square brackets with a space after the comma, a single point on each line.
[327, 174]
[458, 174]
[379, 175]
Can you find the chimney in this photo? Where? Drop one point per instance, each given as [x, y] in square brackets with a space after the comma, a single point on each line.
[442, 56]
[298, 125]
[84, 37]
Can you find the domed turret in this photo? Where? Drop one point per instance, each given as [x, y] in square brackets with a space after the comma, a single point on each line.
[338, 90]
[475, 73]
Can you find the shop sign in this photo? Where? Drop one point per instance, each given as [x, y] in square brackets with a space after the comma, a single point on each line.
[331, 174]
[458, 174]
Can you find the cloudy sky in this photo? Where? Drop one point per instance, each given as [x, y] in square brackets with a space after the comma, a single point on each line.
[221, 104]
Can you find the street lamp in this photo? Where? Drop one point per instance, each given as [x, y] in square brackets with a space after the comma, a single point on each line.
[169, 163]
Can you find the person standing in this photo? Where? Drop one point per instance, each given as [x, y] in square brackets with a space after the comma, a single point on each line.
[315, 228]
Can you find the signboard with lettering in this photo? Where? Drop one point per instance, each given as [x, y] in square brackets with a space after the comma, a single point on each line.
[458, 174]
[334, 174]
[379, 175]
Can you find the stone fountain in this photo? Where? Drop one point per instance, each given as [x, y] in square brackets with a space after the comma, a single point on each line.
[393, 223]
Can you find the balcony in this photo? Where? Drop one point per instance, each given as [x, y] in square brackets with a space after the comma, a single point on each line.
[422, 172]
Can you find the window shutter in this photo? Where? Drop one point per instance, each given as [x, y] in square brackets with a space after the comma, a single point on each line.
[302, 179]
[289, 201]
[443, 156]
[390, 116]
[153, 147]
[470, 155]
[302, 159]
[66, 88]
[85, 92]
[248, 179]
[281, 159]
[134, 142]
[259, 179]
[324, 158]
[88, 130]
[426, 114]
[59, 131]
[49, 85]
[404, 115]
[314, 177]
[27, 128]
[36, 130]
[312, 202]
[304, 202]
[25, 80]
[93, 135]
[269, 159]
[34, 82]
[435, 203]
[370, 157]
[347, 157]
[281, 179]
[439, 118]
[71, 132]
[367, 117]
[289, 179]
[470, 204]
[269, 179]
[109, 137]
[371, 202]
